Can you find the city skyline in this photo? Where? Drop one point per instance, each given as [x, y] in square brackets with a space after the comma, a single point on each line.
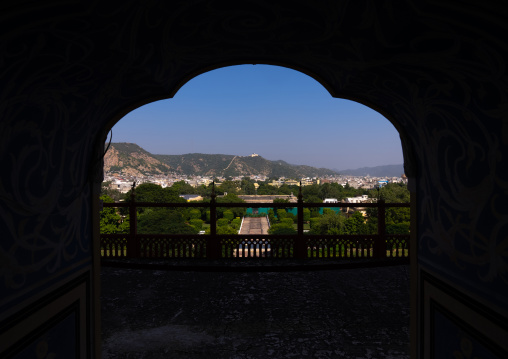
[278, 113]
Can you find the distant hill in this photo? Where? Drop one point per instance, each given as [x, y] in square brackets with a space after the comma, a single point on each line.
[131, 159]
[378, 171]
[230, 165]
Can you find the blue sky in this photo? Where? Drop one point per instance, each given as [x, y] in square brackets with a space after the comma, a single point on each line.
[278, 113]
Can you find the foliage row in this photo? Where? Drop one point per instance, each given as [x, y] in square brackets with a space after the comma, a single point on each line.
[153, 220]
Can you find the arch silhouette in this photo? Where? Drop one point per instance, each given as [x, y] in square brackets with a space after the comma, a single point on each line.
[407, 148]
[437, 71]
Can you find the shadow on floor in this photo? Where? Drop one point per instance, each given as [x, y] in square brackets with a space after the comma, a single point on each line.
[341, 313]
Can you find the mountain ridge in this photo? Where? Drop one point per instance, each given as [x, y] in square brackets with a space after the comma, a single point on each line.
[130, 158]
[234, 165]
[133, 160]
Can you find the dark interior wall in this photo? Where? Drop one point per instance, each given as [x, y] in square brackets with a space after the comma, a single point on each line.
[438, 72]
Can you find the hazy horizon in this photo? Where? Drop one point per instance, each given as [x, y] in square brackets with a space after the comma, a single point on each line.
[279, 159]
[278, 113]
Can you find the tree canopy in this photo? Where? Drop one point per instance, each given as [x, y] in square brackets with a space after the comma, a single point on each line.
[191, 220]
[110, 220]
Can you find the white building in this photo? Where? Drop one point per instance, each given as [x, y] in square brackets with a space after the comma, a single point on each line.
[330, 200]
[123, 187]
[360, 199]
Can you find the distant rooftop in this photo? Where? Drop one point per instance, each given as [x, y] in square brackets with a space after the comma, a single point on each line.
[266, 198]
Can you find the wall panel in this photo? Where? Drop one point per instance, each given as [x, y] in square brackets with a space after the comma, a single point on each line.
[57, 325]
[455, 325]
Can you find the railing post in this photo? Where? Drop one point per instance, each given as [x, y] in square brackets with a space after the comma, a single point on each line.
[300, 240]
[212, 248]
[381, 229]
[132, 245]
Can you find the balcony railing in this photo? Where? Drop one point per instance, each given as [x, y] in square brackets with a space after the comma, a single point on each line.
[215, 246]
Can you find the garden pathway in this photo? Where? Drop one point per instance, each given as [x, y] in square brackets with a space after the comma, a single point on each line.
[254, 225]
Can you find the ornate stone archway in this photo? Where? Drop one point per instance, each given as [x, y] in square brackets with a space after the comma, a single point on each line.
[437, 71]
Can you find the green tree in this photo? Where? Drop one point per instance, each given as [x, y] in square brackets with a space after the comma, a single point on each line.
[336, 191]
[194, 214]
[314, 212]
[287, 221]
[330, 223]
[311, 194]
[281, 200]
[247, 186]
[231, 198]
[226, 230]
[146, 192]
[287, 190]
[291, 216]
[229, 187]
[281, 213]
[221, 222]
[223, 227]
[163, 221]
[326, 190]
[181, 187]
[306, 215]
[355, 224]
[271, 216]
[328, 211]
[312, 199]
[150, 192]
[196, 223]
[315, 225]
[399, 228]
[229, 215]
[282, 229]
[204, 191]
[397, 219]
[110, 221]
[236, 223]
[266, 189]
[395, 193]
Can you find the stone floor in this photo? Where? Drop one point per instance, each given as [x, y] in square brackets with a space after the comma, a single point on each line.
[338, 313]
